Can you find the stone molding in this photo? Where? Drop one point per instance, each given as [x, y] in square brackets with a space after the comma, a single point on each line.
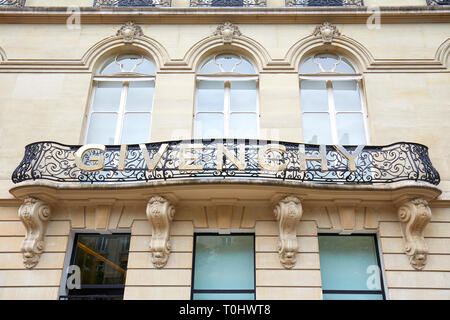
[34, 215]
[160, 213]
[415, 216]
[288, 212]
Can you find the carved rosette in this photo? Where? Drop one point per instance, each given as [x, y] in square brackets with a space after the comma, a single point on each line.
[227, 31]
[160, 213]
[415, 215]
[34, 214]
[288, 213]
[327, 32]
[129, 31]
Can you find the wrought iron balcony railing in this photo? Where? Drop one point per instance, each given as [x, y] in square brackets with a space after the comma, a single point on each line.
[12, 3]
[227, 159]
[228, 3]
[324, 3]
[438, 2]
[131, 3]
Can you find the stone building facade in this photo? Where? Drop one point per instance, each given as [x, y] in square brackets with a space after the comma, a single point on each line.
[204, 119]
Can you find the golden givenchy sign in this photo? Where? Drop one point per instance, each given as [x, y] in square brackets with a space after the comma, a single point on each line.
[187, 157]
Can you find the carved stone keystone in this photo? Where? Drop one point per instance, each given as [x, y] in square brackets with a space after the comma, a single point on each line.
[34, 214]
[227, 31]
[160, 213]
[288, 213]
[415, 215]
[129, 31]
[327, 31]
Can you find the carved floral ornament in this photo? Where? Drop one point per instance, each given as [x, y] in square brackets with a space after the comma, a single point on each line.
[227, 31]
[327, 32]
[34, 215]
[129, 31]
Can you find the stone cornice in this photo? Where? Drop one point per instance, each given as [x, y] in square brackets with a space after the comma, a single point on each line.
[206, 190]
[178, 15]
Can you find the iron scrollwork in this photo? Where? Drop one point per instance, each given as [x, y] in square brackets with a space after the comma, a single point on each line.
[131, 3]
[324, 3]
[438, 2]
[12, 3]
[228, 3]
[374, 164]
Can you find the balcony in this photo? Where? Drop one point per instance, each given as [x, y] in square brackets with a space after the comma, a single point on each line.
[324, 3]
[227, 160]
[12, 3]
[228, 3]
[131, 3]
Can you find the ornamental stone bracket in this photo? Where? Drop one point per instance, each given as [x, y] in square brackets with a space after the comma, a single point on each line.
[34, 214]
[327, 32]
[160, 213]
[288, 212]
[227, 31]
[129, 32]
[414, 216]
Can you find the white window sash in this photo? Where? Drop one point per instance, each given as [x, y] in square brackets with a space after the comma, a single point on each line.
[227, 103]
[122, 106]
[332, 112]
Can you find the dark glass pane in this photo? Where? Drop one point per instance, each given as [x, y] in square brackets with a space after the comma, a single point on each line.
[102, 259]
[227, 3]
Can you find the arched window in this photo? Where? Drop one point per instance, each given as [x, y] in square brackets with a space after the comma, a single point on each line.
[226, 99]
[332, 101]
[122, 100]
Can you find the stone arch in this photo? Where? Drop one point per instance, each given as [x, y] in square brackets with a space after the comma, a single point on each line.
[99, 52]
[348, 47]
[443, 53]
[249, 48]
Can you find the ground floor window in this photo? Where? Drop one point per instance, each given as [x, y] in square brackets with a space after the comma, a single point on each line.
[101, 263]
[224, 267]
[350, 267]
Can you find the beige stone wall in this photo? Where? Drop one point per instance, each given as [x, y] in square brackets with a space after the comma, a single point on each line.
[46, 88]
[272, 280]
[46, 77]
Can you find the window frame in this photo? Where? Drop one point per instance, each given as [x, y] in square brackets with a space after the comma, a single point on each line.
[193, 291]
[328, 78]
[226, 78]
[124, 78]
[382, 290]
[64, 292]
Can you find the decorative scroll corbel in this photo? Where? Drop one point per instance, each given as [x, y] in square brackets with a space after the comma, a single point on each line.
[160, 213]
[34, 214]
[227, 31]
[415, 215]
[288, 213]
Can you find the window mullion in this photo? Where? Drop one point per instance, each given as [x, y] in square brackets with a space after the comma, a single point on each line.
[227, 108]
[121, 113]
[332, 113]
